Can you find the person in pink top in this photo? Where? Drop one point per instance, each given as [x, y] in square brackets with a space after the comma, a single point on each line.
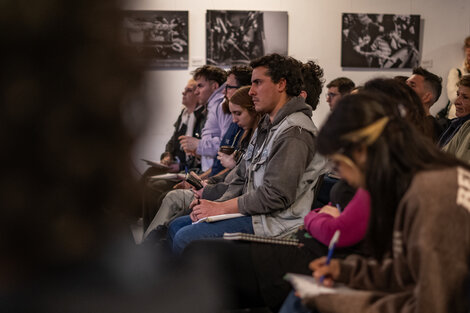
[322, 223]
[256, 276]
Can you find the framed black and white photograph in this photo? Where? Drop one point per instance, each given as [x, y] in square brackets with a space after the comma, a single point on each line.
[236, 37]
[380, 40]
[158, 38]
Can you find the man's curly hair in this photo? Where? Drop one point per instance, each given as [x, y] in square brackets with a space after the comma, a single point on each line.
[313, 82]
[282, 67]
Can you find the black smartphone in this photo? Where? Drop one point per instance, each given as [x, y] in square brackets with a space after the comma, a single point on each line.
[194, 181]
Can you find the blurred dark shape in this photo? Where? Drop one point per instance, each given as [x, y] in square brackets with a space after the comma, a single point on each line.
[70, 114]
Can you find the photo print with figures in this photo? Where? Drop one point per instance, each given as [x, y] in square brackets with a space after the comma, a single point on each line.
[237, 37]
[380, 40]
[158, 38]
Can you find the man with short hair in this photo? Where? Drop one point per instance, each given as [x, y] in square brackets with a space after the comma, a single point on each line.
[210, 86]
[338, 88]
[428, 87]
[273, 187]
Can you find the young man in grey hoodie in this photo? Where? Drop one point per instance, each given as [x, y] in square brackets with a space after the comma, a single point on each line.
[274, 183]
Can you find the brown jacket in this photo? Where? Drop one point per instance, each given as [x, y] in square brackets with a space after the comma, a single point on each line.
[431, 254]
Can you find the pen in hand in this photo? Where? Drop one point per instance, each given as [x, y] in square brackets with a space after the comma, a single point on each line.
[339, 207]
[331, 248]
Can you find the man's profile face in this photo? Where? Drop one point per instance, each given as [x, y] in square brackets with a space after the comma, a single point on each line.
[189, 96]
[204, 89]
[332, 97]
[264, 92]
[416, 82]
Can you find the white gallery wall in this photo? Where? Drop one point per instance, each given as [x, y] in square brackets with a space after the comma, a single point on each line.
[314, 34]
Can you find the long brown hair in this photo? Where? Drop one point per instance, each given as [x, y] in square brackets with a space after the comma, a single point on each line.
[243, 99]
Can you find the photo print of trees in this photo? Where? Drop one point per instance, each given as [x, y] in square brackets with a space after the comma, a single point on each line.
[237, 37]
[158, 38]
[380, 40]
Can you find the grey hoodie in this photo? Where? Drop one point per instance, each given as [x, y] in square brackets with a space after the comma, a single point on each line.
[289, 157]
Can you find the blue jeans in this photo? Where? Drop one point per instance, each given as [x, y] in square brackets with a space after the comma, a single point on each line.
[293, 304]
[181, 231]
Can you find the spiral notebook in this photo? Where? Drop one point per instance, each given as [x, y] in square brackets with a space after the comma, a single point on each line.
[215, 218]
[261, 239]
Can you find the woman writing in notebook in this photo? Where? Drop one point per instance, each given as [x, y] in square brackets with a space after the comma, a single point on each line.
[259, 268]
[419, 229]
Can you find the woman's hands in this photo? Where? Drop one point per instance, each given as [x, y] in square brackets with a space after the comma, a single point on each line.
[331, 210]
[330, 272]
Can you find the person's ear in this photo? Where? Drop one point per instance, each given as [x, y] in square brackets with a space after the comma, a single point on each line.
[214, 86]
[282, 85]
[303, 94]
[428, 97]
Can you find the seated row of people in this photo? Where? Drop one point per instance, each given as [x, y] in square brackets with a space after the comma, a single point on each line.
[273, 187]
[273, 202]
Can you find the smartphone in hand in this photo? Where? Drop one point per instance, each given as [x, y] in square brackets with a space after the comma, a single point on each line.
[194, 180]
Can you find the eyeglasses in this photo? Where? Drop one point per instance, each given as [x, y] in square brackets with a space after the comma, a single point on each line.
[332, 95]
[231, 87]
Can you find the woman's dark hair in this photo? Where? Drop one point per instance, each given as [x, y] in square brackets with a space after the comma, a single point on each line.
[282, 67]
[393, 159]
[402, 95]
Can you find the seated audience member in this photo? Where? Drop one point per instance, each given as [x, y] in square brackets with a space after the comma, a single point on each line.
[406, 98]
[157, 189]
[278, 189]
[428, 87]
[210, 86]
[256, 270]
[210, 89]
[456, 138]
[269, 263]
[418, 263]
[338, 88]
[237, 76]
[455, 74]
[177, 202]
[190, 122]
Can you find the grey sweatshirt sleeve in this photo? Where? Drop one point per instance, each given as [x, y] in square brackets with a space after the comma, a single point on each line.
[235, 182]
[290, 156]
[214, 191]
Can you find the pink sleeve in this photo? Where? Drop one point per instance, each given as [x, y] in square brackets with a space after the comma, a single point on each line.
[352, 222]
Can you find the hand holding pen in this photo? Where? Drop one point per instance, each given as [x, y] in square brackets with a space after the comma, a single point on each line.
[326, 269]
